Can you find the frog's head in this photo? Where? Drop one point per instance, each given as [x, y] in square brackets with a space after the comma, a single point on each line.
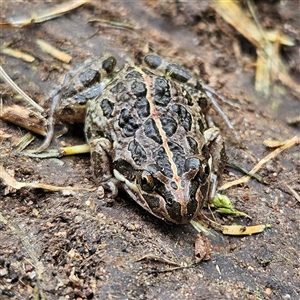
[167, 195]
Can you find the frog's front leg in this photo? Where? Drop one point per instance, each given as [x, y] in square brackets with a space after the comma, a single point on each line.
[102, 166]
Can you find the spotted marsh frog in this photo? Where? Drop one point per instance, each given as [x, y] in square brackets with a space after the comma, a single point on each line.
[147, 132]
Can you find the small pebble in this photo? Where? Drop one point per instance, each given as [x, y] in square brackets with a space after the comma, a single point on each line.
[3, 272]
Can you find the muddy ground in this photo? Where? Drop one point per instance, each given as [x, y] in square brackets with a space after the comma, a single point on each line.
[73, 245]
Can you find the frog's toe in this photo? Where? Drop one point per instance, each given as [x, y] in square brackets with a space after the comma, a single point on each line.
[108, 189]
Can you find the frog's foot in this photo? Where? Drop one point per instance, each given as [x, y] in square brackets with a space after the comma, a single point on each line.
[108, 189]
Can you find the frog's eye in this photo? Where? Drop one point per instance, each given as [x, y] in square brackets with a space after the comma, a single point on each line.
[146, 181]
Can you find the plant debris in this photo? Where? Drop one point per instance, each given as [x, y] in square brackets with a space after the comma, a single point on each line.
[58, 54]
[25, 118]
[245, 179]
[11, 83]
[18, 54]
[269, 66]
[202, 248]
[10, 181]
[243, 230]
[43, 15]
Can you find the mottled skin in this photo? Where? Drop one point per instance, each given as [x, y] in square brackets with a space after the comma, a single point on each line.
[147, 133]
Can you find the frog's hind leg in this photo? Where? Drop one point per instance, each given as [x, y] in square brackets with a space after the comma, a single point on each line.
[83, 83]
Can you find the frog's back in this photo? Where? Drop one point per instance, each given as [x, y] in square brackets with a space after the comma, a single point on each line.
[145, 115]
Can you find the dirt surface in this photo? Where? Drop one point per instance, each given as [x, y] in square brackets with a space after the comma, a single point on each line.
[73, 245]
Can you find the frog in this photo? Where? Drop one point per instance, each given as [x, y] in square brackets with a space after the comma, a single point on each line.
[147, 129]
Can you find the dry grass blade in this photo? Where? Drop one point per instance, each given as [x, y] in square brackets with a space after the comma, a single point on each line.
[273, 144]
[245, 179]
[72, 150]
[10, 181]
[18, 54]
[113, 24]
[232, 13]
[10, 82]
[60, 55]
[43, 15]
[63, 151]
[24, 142]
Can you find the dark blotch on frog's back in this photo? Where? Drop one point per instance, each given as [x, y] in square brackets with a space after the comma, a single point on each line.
[193, 145]
[89, 77]
[191, 163]
[134, 74]
[153, 61]
[138, 88]
[162, 95]
[169, 125]
[178, 157]
[117, 88]
[185, 117]
[141, 104]
[162, 160]
[138, 153]
[107, 108]
[151, 131]
[109, 64]
[128, 123]
[142, 107]
[178, 72]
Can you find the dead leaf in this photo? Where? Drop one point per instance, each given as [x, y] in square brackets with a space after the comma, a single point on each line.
[243, 230]
[202, 248]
